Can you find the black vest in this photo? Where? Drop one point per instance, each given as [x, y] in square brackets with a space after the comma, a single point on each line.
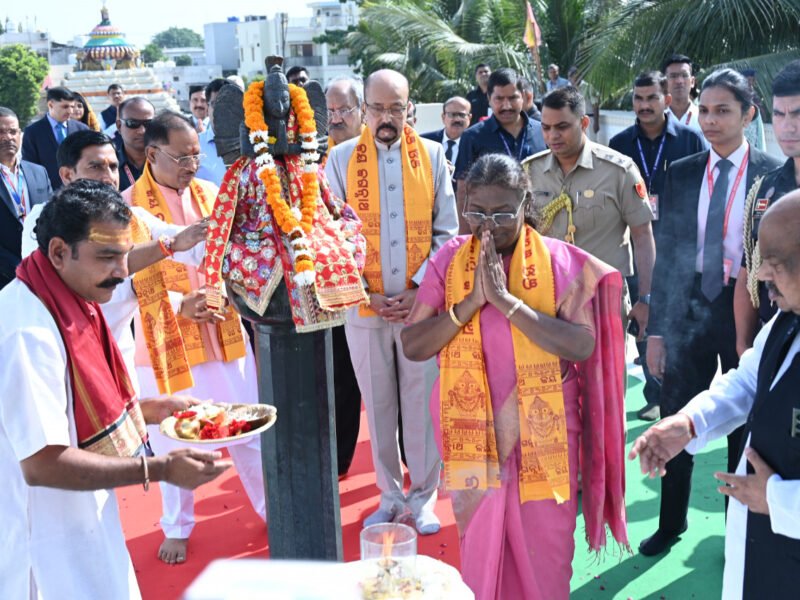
[772, 561]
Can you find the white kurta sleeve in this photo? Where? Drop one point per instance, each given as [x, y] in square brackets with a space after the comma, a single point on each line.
[783, 499]
[192, 257]
[29, 243]
[726, 404]
[33, 390]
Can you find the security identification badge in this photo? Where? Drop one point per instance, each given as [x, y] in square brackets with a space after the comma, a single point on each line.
[654, 205]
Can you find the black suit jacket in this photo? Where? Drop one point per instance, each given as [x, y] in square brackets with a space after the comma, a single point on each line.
[109, 116]
[436, 136]
[10, 226]
[676, 242]
[39, 146]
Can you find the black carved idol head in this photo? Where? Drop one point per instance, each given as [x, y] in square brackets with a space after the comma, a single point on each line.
[232, 135]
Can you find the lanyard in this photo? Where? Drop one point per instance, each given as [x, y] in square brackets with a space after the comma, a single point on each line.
[17, 191]
[688, 116]
[521, 144]
[647, 172]
[736, 182]
[128, 172]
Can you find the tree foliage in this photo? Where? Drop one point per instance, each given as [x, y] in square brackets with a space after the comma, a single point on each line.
[641, 34]
[437, 43]
[22, 72]
[184, 60]
[178, 37]
[152, 53]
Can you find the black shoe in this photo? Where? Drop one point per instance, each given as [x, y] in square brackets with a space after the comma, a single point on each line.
[660, 541]
[651, 412]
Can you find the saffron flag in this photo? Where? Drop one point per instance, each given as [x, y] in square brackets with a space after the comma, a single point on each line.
[533, 35]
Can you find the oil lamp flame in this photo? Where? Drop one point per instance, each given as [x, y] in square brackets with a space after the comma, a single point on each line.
[388, 543]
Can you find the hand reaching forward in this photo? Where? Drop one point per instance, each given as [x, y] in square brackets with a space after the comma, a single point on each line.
[195, 307]
[190, 236]
[662, 442]
[156, 410]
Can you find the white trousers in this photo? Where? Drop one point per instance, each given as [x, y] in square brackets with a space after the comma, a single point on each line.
[234, 381]
[389, 383]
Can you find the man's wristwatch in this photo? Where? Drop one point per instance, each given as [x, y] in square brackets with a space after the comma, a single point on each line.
[645, 299]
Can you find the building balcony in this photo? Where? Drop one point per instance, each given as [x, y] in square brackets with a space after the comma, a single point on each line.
[314, 61]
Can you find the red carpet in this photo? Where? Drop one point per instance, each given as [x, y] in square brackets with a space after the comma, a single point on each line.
[227, 527]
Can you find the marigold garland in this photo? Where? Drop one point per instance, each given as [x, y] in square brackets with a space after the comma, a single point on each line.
[292, 222]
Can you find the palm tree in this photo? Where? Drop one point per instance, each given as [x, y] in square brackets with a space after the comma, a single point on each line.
[437, 43]
[638, 35]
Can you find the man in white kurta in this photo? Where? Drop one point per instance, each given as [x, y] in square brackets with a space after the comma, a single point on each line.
[63, 544]
[388, 381]
[716, 413]
[740, 397]
[170, 136]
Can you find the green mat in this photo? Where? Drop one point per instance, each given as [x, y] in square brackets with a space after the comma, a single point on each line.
[692, 568]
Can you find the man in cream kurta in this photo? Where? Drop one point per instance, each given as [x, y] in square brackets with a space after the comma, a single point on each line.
[172, 147]
[89, 155]
[388, 381]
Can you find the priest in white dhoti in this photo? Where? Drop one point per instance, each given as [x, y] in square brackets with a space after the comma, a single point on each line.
[71, 428]
[182, 345]
[762, 530]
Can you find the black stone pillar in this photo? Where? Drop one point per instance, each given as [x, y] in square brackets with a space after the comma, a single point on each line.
[295, 374]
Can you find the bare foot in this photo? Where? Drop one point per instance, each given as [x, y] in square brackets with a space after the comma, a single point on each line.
[173, 550]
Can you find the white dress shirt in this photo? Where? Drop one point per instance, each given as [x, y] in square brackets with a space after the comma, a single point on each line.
[691, 118]
[16, 184]
[457, 141]
[732, 244]
[717, 412]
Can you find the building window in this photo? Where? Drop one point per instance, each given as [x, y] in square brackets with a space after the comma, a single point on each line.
[301, 50]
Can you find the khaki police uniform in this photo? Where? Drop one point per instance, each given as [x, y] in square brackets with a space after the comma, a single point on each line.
[608, 196]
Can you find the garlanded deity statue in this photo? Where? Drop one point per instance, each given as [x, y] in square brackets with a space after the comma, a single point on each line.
[275, 219]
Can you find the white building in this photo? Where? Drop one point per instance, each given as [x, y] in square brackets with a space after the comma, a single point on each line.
[198, 55]
[177, 80]
[38, 41]
[259, 37]
[221, 45]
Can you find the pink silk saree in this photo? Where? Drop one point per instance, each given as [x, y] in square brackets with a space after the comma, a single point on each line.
[513, 550]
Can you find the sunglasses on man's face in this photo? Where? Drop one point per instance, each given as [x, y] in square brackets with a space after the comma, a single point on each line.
[136, 123]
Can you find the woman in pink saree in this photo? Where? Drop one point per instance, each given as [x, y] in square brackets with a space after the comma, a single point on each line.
[528, 335]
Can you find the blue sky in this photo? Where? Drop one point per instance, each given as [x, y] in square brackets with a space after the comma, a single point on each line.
[140, 19]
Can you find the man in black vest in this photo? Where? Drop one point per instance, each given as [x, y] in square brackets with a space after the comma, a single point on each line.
[762, 539]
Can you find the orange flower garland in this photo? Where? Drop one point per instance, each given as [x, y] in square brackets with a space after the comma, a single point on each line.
[292, 222]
